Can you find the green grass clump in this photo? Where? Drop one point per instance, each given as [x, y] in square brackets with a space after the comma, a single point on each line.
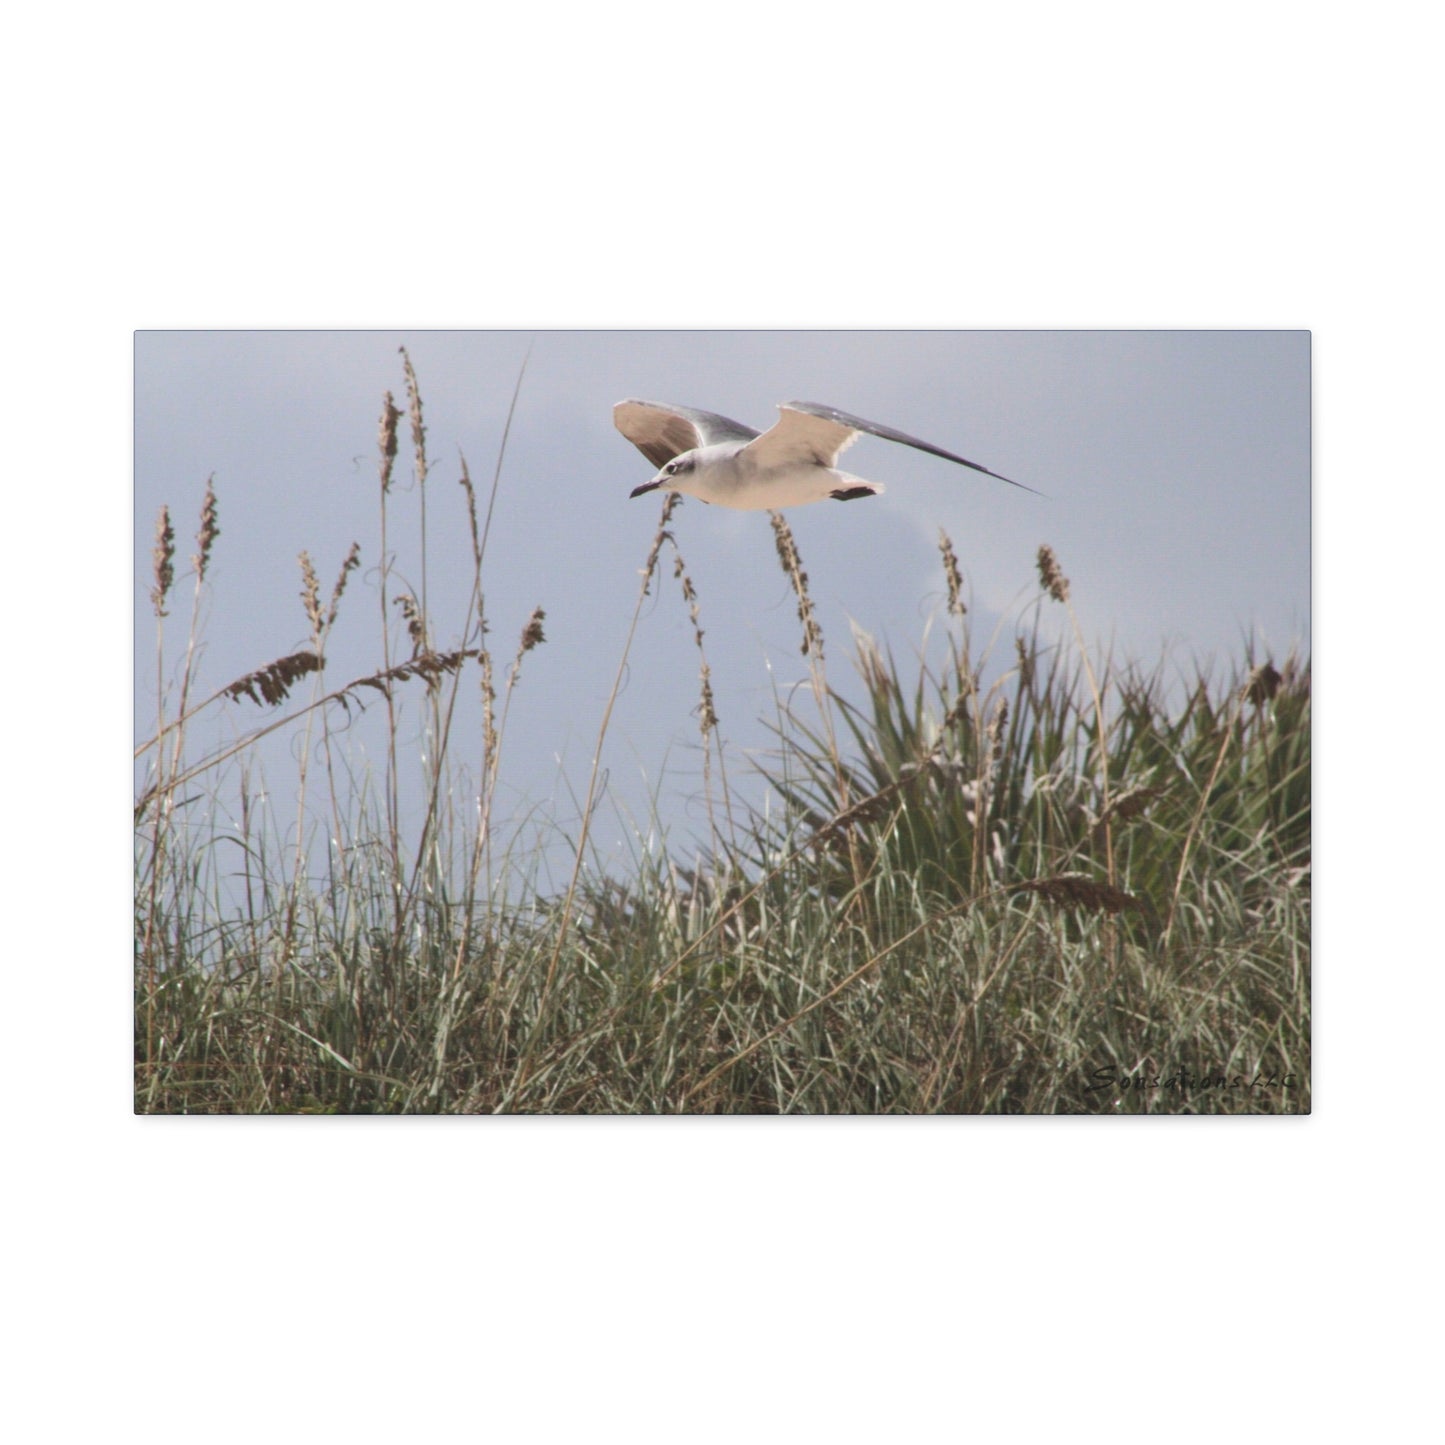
[1050, 886]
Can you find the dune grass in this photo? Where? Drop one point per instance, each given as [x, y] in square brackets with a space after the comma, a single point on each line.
[1031, 882]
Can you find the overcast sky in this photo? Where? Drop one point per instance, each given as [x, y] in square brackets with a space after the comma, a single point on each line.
[1176, 468]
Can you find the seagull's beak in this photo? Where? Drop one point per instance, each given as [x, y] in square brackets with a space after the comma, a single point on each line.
[651, 486]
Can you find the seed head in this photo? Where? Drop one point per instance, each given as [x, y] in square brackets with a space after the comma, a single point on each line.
[210, 530]
[532, 632]
[793, 566]
[950, 570]
[1051, 575]
[387, 440]
[418, 431]
[163, 560]
[1262, 685]
[310, 594]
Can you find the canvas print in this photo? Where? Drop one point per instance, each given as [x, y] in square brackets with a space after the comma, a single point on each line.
[722, 722]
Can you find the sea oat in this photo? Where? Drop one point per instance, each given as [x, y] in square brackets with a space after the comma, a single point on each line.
[1262, 685]
[950, 570]
[418, 431]
[1127, 805]
[532, 632]
[210, 530]
[874, 808]
[1077, 890]
[489, 702]
[707, 716]
[415, 627]
[430, 666]
[1051, 575]
[433, 666]
[353, 559]
[793, 566]
[310, 595]
[387, 440]
[271, 684]
[466, 484]
[674, 500]
[163, 560]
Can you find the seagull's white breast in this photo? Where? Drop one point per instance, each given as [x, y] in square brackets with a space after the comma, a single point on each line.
[730, 476]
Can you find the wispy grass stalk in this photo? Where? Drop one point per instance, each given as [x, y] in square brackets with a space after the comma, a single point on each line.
[706, 710]
[585, 825]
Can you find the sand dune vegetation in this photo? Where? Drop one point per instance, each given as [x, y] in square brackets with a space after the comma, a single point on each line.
[1031, 880]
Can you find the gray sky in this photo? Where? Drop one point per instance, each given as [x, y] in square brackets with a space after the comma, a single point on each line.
[1176, 467]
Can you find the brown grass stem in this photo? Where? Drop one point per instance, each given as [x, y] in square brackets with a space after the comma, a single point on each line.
[585, 827]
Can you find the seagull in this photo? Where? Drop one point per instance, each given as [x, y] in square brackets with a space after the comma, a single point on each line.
[715, 459]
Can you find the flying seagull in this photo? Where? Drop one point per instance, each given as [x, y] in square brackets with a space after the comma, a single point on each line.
[719, 460]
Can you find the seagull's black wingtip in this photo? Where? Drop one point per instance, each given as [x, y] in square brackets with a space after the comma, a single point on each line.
[1020, 485]
[997, 476]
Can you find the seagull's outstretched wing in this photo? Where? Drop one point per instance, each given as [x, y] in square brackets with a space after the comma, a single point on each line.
[805, 423]
[803, 436]
[661, 431]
